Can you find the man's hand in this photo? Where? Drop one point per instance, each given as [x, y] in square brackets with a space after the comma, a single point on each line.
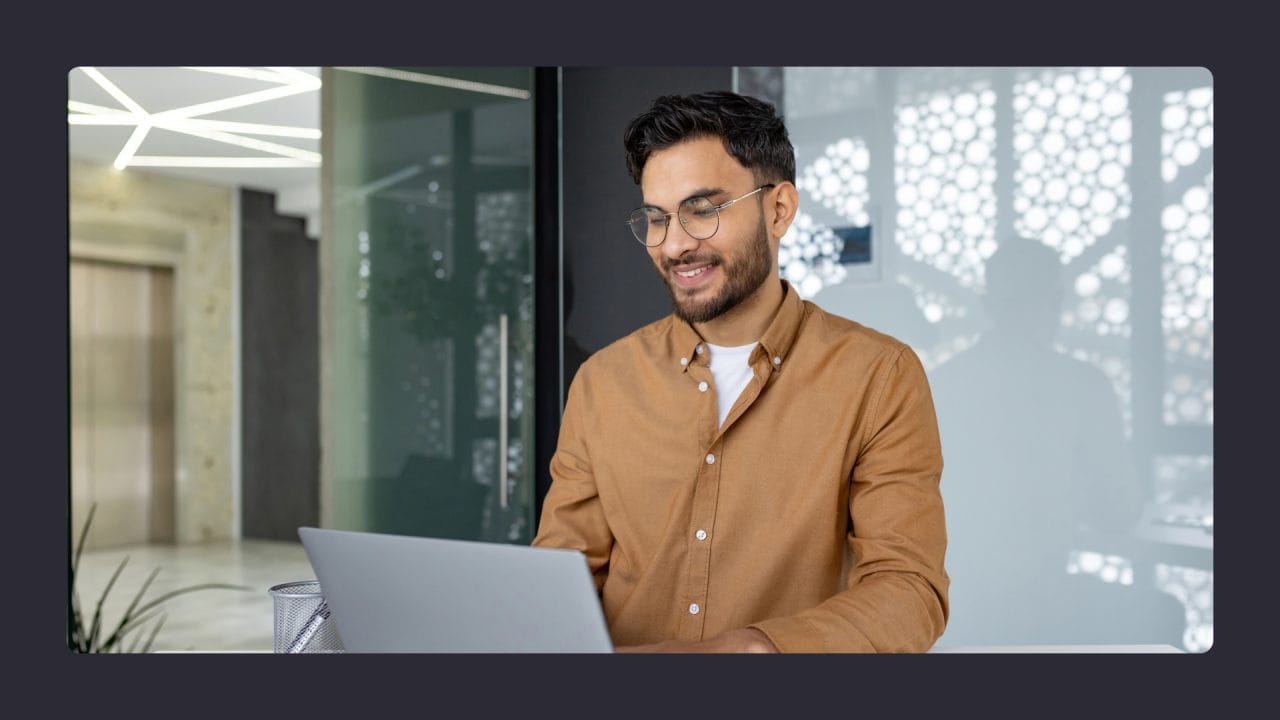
[746, 640]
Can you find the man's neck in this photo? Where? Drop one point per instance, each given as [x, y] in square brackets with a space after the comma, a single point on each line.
[746, 322]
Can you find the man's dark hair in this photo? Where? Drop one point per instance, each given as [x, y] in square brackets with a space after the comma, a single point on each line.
[752, 131]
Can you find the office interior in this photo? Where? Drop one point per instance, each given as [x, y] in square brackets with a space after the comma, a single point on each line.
[354, 297]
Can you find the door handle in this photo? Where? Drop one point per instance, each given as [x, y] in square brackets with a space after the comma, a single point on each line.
[502, 411]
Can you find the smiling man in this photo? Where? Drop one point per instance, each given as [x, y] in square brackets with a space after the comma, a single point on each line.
[750, 473]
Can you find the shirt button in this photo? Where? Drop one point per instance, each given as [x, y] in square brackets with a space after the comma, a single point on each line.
[699, 349]
[684, 361]
[777, 360]
[702, 386]
[701, 534]
[694, 609]
[711, 458]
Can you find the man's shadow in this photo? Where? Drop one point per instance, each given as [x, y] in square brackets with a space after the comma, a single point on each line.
[1035, 457]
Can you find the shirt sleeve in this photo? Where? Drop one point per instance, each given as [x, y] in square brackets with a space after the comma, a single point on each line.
[572, 516]
[896, 594]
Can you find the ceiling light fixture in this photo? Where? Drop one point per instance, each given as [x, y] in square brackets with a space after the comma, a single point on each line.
[84, 107]
[441, 81]
[130, 147]
[180, 161]
[234, 102]
[114, 91]
[95, 115]
[253, 128]
[185, 120]
[299, 76]
[272, 75]
[244, 142]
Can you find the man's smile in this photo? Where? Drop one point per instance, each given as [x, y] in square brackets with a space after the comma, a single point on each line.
[694, 274]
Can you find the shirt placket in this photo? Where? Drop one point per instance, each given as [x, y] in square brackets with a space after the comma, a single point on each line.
[707, 486]
[761, 371]
[693, 606]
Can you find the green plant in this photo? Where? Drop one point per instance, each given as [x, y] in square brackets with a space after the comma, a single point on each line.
[92, 639]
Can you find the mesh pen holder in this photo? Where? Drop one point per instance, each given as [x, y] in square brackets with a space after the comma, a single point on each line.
[302, 620]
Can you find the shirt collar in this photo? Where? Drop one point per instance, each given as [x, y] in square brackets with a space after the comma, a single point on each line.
[774, 344]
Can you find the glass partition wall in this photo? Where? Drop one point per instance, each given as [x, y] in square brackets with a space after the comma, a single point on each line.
[1043, 239]
[427, 302]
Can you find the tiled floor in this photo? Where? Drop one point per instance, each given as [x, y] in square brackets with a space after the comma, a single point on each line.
[205, 620]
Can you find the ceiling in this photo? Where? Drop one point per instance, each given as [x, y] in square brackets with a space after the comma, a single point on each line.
[234, 126]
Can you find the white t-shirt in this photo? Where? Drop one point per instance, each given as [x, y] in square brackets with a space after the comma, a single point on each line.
[731, 373]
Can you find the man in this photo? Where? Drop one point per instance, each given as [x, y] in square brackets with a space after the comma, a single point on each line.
[751, 473]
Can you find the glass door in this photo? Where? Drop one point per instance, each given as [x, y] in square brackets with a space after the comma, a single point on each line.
[427, 302]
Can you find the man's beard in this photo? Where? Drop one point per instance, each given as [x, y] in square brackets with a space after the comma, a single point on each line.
[748, 271]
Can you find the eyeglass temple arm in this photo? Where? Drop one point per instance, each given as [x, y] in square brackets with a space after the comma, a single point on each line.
[744, 197]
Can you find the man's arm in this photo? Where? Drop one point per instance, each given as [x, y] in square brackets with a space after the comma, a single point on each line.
[571, 513]
[896, 596]
[744, 640]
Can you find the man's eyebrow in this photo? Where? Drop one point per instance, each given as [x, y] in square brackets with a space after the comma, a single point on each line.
[700, 192]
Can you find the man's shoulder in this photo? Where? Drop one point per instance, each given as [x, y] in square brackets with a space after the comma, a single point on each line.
[621, 355]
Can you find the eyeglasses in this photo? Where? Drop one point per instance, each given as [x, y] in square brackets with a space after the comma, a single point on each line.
[697, 215]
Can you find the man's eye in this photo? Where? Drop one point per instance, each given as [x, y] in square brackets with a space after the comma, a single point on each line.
[700, 207]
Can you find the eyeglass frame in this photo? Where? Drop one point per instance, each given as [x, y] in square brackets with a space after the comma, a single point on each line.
[667, 216]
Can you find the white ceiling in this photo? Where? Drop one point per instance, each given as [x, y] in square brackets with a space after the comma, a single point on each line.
[117, 99]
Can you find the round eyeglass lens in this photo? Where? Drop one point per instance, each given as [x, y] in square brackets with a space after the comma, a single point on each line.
[700, 217]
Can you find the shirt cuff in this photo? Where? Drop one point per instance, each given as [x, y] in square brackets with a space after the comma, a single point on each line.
[793, 635]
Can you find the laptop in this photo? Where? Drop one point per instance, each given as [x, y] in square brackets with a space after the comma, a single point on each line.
[398, 593]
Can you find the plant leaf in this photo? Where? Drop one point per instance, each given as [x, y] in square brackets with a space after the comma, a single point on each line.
[77, 637]
[138, 620]
[135, 616]
[97, 612]
[154, 630]
[84, 533]
[147, 611]
[137, 638]
[75, 633]
[193, 588]
[118, 634]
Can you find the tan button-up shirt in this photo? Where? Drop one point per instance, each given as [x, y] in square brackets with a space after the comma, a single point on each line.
[813, 514]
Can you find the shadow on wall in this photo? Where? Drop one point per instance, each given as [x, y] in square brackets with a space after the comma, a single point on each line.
[1035, 458]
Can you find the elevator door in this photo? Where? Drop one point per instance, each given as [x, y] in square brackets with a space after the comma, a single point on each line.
[122, 399]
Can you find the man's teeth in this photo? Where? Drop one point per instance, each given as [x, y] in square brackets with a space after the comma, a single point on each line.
[692, 273]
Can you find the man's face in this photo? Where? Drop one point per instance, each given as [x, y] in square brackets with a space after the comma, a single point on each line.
[709, 277]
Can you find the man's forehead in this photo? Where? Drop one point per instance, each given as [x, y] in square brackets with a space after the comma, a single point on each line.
[672, 173]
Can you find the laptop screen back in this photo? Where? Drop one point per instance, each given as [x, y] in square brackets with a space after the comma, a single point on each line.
[396, 593]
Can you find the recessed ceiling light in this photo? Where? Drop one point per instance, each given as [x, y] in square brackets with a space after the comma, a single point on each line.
[185, 120]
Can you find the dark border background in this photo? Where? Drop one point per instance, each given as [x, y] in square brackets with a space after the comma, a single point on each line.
[1232, 43]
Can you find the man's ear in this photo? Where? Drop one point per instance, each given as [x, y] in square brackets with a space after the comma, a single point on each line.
[781, 212]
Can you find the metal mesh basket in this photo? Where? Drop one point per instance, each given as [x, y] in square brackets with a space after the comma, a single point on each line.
[302, 621]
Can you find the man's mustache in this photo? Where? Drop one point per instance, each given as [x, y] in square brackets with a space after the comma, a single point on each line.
[712, 258]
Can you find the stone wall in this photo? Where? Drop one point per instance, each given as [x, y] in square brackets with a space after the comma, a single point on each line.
[143, 218]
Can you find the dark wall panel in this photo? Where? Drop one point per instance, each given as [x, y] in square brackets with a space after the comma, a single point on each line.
[610, 287]
[280, 389]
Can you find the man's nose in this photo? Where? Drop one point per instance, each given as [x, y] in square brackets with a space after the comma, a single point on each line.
[678, 241]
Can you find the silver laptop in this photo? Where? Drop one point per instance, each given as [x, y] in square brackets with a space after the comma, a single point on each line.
[396, 593]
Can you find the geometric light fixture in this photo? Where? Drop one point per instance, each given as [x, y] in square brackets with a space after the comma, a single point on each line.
[441, 81]
[188, 121]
